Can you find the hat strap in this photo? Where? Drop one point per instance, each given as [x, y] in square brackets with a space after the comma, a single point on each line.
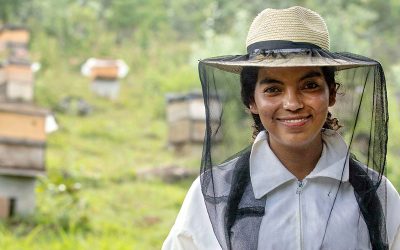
[257, 47]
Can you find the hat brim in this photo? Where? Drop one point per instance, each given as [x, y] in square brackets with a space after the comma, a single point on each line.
[339, 61]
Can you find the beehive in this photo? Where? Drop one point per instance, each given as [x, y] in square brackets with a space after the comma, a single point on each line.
[16, 82]
[186, 118]
[22, 139]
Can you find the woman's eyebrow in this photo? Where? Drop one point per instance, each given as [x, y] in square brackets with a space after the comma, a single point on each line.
[268, 80]
[311, 74]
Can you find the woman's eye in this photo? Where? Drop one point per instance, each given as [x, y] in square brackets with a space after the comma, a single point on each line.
[311, 85]
[271, 90]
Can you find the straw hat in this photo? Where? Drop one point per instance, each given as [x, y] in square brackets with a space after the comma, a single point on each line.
[290, 37]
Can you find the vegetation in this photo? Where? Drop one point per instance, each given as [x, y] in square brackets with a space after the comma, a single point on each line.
[92, 197]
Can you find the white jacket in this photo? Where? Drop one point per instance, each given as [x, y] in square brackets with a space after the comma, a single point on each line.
[295, 212]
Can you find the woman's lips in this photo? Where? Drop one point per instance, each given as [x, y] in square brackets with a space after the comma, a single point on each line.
[294, 121]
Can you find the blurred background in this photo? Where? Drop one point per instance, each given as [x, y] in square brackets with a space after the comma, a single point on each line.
[108, 95]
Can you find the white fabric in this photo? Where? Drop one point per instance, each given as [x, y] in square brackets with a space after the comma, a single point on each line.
[294, 216]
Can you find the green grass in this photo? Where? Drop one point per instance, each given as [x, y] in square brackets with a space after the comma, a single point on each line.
[124, 215]
[91, 197]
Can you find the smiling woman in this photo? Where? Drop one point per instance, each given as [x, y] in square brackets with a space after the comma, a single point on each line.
[292, 105]
[302, 183]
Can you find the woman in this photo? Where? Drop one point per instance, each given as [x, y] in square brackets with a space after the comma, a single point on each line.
[300, 185]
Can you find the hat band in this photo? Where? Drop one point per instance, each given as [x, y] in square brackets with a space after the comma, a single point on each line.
[258, 47]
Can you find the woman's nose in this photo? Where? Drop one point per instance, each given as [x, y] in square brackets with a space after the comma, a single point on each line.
[292, 101]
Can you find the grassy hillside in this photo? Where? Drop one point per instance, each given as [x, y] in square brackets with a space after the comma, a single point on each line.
[91, 197]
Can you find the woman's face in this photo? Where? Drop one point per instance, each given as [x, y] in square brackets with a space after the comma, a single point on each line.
[292, 104]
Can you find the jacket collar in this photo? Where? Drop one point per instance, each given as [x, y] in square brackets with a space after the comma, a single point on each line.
[267, 172]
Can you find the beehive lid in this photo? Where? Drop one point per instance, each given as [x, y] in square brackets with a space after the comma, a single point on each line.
[104, 68]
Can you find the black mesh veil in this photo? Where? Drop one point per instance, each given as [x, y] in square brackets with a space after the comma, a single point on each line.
[361, 108]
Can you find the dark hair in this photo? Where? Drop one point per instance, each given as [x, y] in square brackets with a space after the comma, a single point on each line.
[248, 80]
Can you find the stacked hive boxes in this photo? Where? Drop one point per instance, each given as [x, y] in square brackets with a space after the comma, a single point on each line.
[186, 120]
[16, 76]
[105, 74]
[22, 125]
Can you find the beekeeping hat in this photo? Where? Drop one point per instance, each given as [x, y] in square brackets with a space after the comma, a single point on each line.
[286, 38]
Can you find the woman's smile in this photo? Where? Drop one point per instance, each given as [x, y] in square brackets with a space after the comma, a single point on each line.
[294, 121]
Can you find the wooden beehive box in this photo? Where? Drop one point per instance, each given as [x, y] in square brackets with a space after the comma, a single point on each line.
[105, 71]
[19, 82]
[21, 158]
[11, 34]
[17, 195]
[22, 139]
[108, 88]
[19, 72]
[103, 68]
[105, 74]
[186, 118]
[18, 52]
[19, 91]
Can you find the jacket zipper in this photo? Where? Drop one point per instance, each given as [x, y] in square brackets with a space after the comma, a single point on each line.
[298, 192]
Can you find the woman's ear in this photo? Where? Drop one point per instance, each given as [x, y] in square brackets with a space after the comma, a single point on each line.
[253, 108]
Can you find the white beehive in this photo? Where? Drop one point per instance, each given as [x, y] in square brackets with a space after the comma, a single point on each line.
[186, 118]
